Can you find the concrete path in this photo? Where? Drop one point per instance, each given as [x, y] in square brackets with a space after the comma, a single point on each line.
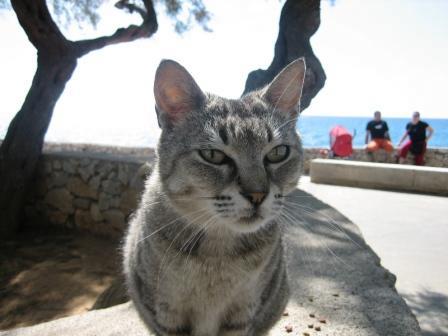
[338, 286]
[410, 234]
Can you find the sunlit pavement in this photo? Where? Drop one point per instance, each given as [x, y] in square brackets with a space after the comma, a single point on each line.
[337, 285]
[409, 232]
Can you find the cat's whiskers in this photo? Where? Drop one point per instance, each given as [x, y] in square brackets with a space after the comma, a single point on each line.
[308, 226]
[202, 231]
[169, 223]
[189, 199]
[332, 223]
[190, 223]
[192, 236]
[286, 123]
[312, 212]
[290, 196]
[192, 240]
[307, 257]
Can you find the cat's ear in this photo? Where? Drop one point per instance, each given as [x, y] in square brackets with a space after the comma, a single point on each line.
[285, 90]
[176, 93]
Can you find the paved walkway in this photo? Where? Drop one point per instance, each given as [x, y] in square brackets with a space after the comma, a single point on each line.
[338, 286]
[409, 232]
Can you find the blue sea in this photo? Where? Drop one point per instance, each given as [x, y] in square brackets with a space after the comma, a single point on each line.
[315, 129]
[136, 133]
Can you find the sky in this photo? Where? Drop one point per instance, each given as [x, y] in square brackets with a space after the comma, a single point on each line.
[387, 55]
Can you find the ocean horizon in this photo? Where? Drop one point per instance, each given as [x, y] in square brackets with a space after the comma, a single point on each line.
[314, 131]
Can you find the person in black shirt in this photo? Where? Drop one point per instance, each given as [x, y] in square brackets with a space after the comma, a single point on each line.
[377, 132]
[419, 133]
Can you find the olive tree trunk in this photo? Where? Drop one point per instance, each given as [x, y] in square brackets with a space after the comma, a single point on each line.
[22, 146]
[299, 20]
[56, 62]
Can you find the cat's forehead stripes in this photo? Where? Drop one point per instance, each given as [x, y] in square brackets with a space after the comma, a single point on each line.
[223, 135]
[236, 121]
[234, 130]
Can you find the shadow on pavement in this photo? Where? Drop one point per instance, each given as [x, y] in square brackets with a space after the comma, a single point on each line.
[431, 309]
[335, 275]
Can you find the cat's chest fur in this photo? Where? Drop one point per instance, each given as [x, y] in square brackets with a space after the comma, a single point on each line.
[214, 282]
[201, 289]
[220, 268]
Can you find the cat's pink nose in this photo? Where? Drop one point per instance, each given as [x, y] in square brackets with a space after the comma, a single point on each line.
[256, 198]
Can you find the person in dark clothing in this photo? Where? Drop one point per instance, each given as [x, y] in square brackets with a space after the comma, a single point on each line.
[377, 135]
[419, 133]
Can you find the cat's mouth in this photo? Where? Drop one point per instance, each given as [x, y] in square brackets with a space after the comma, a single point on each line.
[251, 219]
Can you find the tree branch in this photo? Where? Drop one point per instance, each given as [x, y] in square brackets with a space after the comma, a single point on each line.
[124, 4]
[36, 21]
[299, 20]
[146, 29]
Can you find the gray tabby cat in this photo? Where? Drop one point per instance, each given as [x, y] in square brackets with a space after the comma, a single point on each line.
[204, 253]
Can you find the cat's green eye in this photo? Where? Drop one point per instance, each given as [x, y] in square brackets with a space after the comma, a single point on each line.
[213, 156]
[278, 154]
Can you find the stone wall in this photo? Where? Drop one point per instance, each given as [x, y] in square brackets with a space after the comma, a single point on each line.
[96, 188]
[88, 191]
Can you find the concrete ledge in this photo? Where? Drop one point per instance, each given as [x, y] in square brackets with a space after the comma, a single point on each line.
[380, 176]
[434, 157]
[335, 277]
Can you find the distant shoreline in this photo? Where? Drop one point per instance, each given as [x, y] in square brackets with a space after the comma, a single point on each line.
[50, 146]
[385, 117]
[314, 131]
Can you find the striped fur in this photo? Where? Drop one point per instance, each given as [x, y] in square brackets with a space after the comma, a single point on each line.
[200, 257]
